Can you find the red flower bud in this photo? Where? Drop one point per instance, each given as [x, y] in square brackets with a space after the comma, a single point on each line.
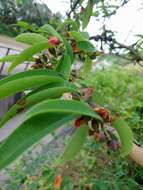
[53, 41]
[77, 123]
[82, 10]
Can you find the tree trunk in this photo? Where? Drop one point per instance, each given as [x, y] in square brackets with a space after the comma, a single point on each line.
[137, 154]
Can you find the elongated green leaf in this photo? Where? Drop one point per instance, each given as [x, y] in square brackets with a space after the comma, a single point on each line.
[77, 36]
[86, 15]
[85, 46]
[29, 133]
[44, 93]
[64, 66]
[126, 136]
[9, 58]
[69, 50]
[27, 79]
[87, 67]
[50, 30]
[75, 145]
[62, 106]
[85, 34]
[28, 53]
[30, 38]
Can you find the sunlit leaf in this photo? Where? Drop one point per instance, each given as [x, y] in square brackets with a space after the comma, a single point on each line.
[126, 136]
[30, 38]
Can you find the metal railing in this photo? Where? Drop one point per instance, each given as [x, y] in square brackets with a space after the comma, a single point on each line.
[4, 65]
[8, 102]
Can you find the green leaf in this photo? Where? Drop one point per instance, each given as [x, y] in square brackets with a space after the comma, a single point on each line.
[85, 34]
[77, 36]
[87, 67]
[50, 30]
[62, 106]
[28, 53]
[40, 94]
[29, 133]
[9, 58]
[28, 79]
[126, 136]
[69, 50]
[64, 66]
[26, 26]
[75, 144]
[85, 46]
[31, 38]
[86, 15]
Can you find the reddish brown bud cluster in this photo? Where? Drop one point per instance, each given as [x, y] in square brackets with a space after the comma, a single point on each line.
[53, 41]
[103, 132]
[74, 47]
[114, 144]
[103, 113]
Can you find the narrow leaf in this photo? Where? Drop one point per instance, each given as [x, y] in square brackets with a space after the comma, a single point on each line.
[64, 66]
[69, 50]
[25, 80]
[87, 67]
[29, 133]
[75, 144]
[9, 58]
[28, 53]
[44, 93]
[31, 38]
[50, 30]
[77, 36]
[126, 136]
[62, 106]
[86, 15]
[85, 46]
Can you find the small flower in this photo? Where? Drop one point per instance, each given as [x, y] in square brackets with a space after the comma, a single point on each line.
[53, 41]
[58, 181]
[114, 144]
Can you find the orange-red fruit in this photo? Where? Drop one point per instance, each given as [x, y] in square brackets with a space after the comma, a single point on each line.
[58, 181]
[53, 41]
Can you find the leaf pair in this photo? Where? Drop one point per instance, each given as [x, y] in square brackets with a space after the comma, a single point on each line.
[26, 80]
[39, 121]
